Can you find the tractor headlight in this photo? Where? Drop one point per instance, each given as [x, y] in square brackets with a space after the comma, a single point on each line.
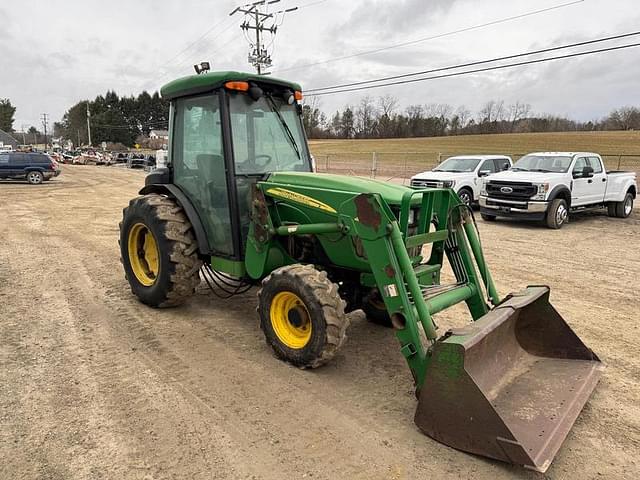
[543, 188]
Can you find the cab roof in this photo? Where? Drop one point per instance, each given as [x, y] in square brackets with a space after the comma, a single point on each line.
[480, 157]
[194, 84]
[563, 154]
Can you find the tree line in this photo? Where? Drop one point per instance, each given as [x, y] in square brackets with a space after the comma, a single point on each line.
[383, 118]
[114, 119]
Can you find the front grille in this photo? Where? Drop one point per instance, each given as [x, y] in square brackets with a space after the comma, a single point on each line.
[424, 183]
[519, 190]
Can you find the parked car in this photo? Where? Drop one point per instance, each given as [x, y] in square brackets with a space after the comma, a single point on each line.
[139, 160]
[34, 167]
[120, 157]
[462, 173]
[549, 185]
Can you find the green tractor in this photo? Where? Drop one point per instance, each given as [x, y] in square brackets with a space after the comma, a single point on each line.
[241, 205]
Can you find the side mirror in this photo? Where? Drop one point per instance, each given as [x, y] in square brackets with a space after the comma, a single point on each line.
[506, 167]
[484, 173]
[587, 172]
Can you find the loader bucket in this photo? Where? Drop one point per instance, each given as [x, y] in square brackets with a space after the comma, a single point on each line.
[509, 386]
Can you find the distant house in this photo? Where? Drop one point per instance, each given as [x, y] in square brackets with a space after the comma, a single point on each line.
[159, 135]
[6, 139]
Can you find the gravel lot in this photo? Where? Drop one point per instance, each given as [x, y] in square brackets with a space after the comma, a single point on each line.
[95, 385]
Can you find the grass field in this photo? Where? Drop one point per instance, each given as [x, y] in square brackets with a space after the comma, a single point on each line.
[406, 156]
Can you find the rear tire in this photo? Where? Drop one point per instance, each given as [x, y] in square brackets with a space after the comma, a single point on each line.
[624, 208]
[302, 315]
[35, 178]
[558, 214]
[159, 252]
[488, 218]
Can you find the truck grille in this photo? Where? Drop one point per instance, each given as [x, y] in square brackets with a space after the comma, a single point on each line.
[519, 190]
[424, 183]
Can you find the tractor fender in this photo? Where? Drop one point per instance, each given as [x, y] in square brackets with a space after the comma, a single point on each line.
[173, 191]
[560, 191]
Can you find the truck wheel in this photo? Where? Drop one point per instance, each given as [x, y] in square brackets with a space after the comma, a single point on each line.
[466, 196]
[488, 218]
[624, 208]
[159, 251]
[375, 309]
[35, 178]
[558, 214]
[302, 315]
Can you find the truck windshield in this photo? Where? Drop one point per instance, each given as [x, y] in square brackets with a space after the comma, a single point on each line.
[540, 163]
[458, 165]
[267, 136]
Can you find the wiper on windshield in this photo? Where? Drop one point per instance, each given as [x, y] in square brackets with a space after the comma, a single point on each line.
[541, 170]
[514, 169]
[285, 127]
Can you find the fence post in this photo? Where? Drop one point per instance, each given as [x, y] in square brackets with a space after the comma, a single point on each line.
[374, 164]
[404, 175]
[326, 164]
[619, 159]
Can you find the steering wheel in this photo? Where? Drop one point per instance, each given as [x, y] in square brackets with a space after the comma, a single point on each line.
[250, 165]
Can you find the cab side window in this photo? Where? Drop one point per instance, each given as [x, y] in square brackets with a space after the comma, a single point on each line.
[501, 164]
[594, 162]
[580, 164]
[488, 165]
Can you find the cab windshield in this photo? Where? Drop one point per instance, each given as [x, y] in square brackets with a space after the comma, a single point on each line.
[267, 136]
[458, 165]
[543, 163]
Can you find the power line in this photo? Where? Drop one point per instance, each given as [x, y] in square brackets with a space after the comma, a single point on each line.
[480, 62]
[478, 70]
[260, 21]
[434, 37]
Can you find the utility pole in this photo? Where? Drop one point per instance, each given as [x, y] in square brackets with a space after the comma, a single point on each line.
[45, 125]
[260, 20]
[88, 124]
[24, 140]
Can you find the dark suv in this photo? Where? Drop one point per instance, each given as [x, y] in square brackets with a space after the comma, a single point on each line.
[34, 167]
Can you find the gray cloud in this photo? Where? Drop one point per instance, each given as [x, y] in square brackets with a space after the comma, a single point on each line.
[53, 57]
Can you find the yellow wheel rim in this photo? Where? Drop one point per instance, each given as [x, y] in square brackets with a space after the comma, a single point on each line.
[143, 254]
[290, 320]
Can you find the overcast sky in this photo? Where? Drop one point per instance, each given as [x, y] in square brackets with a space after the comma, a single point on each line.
[54, 53]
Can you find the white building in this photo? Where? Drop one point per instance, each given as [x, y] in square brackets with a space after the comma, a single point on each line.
[159, 134]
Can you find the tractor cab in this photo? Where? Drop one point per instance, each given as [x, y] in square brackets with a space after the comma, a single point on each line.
[227, 131]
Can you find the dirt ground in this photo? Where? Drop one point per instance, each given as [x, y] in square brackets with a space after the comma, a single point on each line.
[94, 385]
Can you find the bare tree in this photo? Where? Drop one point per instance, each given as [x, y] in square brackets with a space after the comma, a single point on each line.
[517, 112]
[365, 118]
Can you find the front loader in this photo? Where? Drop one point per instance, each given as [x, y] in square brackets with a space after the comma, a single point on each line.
[240, 205]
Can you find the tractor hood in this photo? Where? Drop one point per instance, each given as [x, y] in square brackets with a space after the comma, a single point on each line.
[390, 192]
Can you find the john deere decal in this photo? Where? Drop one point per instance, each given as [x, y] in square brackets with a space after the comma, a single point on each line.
[300, 198]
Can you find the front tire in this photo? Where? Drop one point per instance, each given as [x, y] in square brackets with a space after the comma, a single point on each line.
[558, 214]
[302, 315]
[374, 308]
[466, 196]
[159, 252]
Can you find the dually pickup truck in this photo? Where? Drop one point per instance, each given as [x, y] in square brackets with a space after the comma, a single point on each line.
[548, 186]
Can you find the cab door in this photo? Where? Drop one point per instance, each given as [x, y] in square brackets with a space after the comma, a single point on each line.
[587, 189]
[197, 157]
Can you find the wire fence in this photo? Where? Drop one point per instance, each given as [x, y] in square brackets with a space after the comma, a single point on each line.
[401, 166]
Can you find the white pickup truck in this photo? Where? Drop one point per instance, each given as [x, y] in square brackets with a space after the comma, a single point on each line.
[547, 186]
[463, 174]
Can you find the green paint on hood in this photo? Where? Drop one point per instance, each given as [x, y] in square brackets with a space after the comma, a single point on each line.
[390, 192]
